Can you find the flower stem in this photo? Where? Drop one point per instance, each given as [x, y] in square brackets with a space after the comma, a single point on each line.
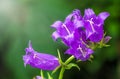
[69, 60]
[61, 73]
[63, 67]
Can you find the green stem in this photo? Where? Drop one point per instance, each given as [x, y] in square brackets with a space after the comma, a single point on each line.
[61, 73]
[63, 67]
[69, 60]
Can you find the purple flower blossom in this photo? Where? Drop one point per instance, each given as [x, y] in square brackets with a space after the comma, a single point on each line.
[40, 60]
[65, 30]
[38, 77]
[80, 51]
[78, 32]
[79, 47]
[94, 25]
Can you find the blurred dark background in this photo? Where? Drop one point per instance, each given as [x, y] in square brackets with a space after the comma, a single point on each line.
[24, 20]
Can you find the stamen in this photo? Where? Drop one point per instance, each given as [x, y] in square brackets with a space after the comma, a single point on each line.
[83, 52]
[84, 42]
[91, 23]
[66, 29]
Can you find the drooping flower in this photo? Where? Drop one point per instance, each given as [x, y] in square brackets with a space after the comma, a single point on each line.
[94, 24]
[65, 30]
[40, 60]
[79, 48]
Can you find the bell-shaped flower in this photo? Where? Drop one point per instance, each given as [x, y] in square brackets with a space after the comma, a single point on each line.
[94, 25]
[40, 60]
[79, 48]
[65, 30]
[80, 51]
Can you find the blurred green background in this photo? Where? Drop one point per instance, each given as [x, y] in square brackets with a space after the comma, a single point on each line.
[24, 20]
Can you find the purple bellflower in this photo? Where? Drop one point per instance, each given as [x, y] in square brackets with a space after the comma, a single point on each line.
[79, 33]
[79, 48]
[38, 77]
[40, 60]
[65, 30]
[94, 24]
[80, 51]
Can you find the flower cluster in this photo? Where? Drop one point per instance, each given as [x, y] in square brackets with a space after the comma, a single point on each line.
[79, 32]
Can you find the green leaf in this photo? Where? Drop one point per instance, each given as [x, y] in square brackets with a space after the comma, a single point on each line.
[60, 61]
[59, 57]
[49, 76]
[106, 45]
[69, 66]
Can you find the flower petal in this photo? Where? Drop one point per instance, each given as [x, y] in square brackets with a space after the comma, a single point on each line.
[103, 15]
[55, 35]
[29, 50]
[77, 14]
[78, 23]
[68, 18]
[26, 60]
[88, 13]
[56, 24]
[96, 37]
